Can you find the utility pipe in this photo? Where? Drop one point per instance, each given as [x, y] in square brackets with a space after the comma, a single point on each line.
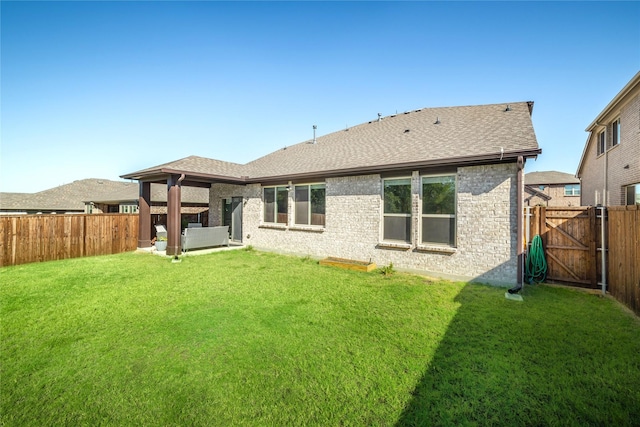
[603, 250]
[519, 203]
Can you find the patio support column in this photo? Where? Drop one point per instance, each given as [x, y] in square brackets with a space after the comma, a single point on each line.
[173, 214]
[144, 215]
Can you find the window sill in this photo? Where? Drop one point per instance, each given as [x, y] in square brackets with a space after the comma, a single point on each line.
[274, 226]
[438, 249]
[307, 228]
[395, 246]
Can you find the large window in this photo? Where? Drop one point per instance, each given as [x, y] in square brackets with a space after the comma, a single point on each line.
[602, 142]
[275, 204]
[397, 210]
[615, 133]
[572, 190]
[633, 194]
[309, 204]
[439, 210]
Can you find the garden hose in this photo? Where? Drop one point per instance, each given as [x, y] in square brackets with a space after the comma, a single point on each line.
[535, 264]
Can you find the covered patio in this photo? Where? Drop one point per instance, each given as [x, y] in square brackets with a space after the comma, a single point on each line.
[189, 172]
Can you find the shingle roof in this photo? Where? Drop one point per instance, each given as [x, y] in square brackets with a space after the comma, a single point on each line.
[420, 137]
[550, 177]
[72, 197]
[409, 137]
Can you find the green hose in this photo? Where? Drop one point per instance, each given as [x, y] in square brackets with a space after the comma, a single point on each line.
[535, 264]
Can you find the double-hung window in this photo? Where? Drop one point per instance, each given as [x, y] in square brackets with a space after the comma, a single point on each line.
[602, 142]
[309, 204]
[633, 194]
[439, 210]
[275, 204]
[397, 210]
[615, 132]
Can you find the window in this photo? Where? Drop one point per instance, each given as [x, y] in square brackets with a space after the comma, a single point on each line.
[128, 209]
[275, 204]
[615, 132]
[572, 190]
[309, 204]
[602, 142]
[633, 194]
[439, 210]
[397, 209]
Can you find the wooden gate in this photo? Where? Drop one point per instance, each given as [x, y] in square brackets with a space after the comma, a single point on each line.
[571, 240]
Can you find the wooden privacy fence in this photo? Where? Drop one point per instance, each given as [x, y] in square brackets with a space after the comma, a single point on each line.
[571, 238]
[573, 245]
[34, 238]
[624, 255]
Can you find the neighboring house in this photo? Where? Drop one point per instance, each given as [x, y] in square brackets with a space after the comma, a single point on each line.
[437, 190]
[551, 189]
[101, 196]
[609, 169]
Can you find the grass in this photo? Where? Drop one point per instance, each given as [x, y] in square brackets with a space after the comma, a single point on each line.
[250, 338]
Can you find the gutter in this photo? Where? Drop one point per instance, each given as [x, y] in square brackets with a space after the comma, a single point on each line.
[458, 161]
[161, 174]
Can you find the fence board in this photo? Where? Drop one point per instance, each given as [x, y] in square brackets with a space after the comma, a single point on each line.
[569, 243]
[624, 255]
[34, 238]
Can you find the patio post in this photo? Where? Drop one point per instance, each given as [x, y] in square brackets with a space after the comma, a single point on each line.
[144, 215]
[173, 214]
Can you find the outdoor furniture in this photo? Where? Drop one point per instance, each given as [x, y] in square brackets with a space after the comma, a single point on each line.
[204, 237]
[160, 231]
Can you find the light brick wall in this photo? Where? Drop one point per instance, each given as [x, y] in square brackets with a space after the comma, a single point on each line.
[626, 153]
[486, 225]
[558, 199]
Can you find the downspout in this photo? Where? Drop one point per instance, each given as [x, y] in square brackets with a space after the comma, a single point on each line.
[520, 226]
[520, 251]
[605, 160]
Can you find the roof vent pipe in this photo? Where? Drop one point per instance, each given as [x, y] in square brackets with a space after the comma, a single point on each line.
[314, 133]
[379, 116]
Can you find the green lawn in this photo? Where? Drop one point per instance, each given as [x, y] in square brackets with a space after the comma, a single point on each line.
[250, 338]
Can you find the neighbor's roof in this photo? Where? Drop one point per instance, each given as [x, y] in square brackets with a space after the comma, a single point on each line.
[549, 177]
[412, 139]
[72, 197]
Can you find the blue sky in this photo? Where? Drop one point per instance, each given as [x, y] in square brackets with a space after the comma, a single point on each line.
[100, 89]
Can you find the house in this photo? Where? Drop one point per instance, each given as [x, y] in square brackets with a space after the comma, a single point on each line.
[609, 169]
[104, 196]
[437, 190]
[551, 189]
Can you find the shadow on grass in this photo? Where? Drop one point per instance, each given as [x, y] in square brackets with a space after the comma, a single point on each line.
[535, 362]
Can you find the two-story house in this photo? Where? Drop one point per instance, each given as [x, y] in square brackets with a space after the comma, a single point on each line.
[609, 169]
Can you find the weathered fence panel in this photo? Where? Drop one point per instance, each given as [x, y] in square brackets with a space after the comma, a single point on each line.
[624, 255]
[35, 238]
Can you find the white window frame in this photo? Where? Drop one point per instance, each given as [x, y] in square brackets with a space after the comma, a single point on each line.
[573, 191]
[384, 215]
[275, 205]
[128, 208]
[616, 130]
[424, 216]
[601, 142]
[626, 193]
[308, 223]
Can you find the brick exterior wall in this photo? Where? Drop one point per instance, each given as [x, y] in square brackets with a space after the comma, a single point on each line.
[486, 225]
[617, 158]
[558, 199]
